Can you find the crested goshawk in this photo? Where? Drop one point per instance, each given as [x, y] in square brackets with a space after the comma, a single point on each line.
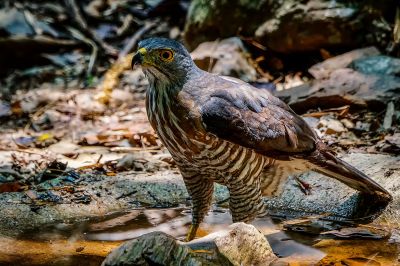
[221, 129]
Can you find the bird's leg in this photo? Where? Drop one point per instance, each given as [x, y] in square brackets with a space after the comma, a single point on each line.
[201, 191]
[192, 232]
[246, 201]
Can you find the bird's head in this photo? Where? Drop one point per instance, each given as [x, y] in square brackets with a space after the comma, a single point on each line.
[164, 60]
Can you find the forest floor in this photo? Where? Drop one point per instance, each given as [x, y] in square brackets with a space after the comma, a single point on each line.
[75, 168]
[81, 169]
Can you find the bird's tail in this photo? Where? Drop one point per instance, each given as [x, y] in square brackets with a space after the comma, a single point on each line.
[328, 164]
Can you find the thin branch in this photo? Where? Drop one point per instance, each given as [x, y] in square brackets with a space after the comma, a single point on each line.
[135, 38]
[76, 15]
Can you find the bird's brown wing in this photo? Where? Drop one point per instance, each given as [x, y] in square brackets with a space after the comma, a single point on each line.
[255, 119]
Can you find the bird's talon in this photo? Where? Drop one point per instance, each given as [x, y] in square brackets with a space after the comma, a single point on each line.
[192, 232]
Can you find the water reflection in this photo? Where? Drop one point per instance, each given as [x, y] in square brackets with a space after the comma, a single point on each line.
[69, 242]
[139, 222]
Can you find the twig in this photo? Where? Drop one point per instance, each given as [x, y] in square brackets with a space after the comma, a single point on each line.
[396, 28]
[126, 24]
[80, 21]
[388, 119]
[253, 42]
[26, 151]
[132, 149]
[11, 172]
[135, 38]
[99, 159]
[93, 56]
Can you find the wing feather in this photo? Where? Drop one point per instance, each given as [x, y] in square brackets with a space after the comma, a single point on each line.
[253, 118]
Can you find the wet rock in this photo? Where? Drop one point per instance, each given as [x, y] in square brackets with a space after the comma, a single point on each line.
[108, 194]
[158, 248]
[344, 87]
[227, 57]
[239, 244]
[289, 26]
[377, 65]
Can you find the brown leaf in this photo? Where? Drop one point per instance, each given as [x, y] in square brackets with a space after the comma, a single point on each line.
[10, 187]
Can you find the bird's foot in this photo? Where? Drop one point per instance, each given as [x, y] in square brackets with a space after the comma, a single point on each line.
[192, 232]
[305, 187]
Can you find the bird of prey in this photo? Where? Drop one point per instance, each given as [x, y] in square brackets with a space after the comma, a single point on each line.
[221, 129]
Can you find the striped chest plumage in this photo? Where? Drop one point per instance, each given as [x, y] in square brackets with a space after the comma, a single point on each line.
[194, 150]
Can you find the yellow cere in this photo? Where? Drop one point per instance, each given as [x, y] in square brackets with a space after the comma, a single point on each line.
[142, 51]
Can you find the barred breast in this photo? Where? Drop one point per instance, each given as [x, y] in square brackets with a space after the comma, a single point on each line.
[197, 152]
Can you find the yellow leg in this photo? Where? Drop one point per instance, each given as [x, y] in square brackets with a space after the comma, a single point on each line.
[192, 232]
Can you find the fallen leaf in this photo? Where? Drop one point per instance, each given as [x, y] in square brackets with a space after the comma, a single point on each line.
[10, 187]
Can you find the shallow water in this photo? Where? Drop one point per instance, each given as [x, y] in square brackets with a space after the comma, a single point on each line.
[88, 242]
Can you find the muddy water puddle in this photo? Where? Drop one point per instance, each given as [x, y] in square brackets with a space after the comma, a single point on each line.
[88, 242]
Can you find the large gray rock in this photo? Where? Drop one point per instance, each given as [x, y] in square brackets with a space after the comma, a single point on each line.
[288, 26]
[158, 248]
[240, 244]
[22, 211]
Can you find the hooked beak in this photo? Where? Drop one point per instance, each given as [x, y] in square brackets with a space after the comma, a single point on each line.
[137, 60]
[138, 57]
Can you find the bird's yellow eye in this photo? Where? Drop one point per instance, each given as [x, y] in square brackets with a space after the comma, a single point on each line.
[166, 55]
